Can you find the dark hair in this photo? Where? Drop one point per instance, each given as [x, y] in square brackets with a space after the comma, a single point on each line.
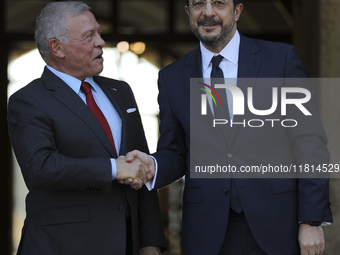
[236, 2]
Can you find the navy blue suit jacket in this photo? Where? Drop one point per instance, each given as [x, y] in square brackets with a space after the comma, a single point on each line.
[73, 206]
[273, 207]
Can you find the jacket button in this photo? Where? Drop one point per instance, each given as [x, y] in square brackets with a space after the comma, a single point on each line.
[121, 208]
[230, 155]
[225, 191]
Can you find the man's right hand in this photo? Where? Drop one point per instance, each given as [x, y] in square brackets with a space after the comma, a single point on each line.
[133, 170]
[146, 160]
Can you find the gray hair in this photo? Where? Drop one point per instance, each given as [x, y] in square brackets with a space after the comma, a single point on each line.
[52, 23]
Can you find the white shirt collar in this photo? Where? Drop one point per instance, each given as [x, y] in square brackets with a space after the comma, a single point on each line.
[230, 52]
[71, 81]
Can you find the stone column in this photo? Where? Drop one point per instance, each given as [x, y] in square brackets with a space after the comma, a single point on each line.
[329, 105]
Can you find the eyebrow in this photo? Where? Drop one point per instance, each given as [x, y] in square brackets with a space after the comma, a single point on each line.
[92, 30]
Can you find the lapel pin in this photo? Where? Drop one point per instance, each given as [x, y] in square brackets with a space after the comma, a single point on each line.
[112, 88]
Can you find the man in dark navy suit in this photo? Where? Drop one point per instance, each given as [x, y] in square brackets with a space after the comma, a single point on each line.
[240, 215]
[69, 129]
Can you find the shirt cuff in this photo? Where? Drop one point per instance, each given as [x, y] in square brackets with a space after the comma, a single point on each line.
[323, 224]
[150, 185]
[113, 168]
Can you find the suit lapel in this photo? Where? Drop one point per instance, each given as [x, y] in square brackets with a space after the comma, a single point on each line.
[249, 61]
[192, 68]
[66, 95]
[248, 67]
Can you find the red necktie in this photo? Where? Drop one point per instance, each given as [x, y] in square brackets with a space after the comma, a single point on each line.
[86, 87]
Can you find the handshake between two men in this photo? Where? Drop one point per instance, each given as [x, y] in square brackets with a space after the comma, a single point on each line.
[135, 169]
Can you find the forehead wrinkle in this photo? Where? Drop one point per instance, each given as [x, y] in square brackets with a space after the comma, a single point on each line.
[84, 20]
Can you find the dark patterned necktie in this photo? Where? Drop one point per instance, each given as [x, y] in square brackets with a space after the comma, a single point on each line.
[222, 112]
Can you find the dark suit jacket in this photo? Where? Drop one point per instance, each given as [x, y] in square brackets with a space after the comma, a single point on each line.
[72, 206]
[273, 207]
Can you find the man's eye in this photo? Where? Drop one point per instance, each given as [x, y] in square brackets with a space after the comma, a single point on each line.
[199, 3]
[219, 3]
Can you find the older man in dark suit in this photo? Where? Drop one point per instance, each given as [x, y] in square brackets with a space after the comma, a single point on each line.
[67, 130]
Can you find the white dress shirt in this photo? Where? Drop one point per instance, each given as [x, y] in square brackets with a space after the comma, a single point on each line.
[104, 104]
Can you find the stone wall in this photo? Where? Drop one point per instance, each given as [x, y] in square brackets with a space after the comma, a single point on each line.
[329, 105]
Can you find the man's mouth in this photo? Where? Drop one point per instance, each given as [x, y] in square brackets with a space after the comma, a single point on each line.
[100, 56]
[208, 23]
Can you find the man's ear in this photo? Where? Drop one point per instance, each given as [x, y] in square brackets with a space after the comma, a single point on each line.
[56, 48]
[187, 10]
[238, 11]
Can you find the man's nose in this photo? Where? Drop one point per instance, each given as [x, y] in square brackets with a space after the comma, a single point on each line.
[208, 10]
[99, 41]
